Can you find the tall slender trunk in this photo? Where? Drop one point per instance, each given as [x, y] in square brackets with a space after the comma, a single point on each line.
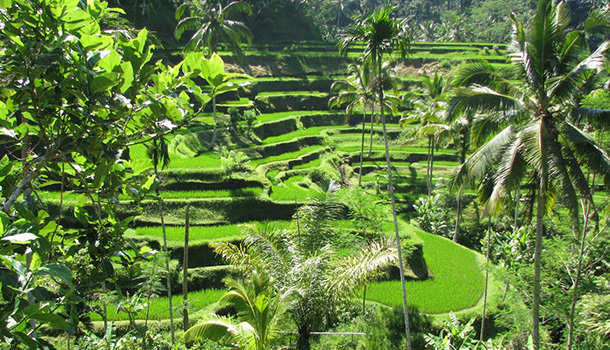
[364, 299]
[185, 270]
[428, 167]
[362, 146]
[458, 216]
[395, 218]
[213, 142]
[540, 214]
[576, 282]
[431, 165]
[371, 139]
[167, 273]
[487, 255]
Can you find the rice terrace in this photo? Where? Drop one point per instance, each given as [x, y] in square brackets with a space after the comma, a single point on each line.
[279, 174]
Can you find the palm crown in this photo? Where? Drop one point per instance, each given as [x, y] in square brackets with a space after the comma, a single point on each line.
[209, 19]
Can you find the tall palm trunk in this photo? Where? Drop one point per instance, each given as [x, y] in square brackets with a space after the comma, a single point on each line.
[362, 146]
[540, 213]
[464, 149]
[458, 216]
[579, 267]
[429, 165]
[485, 290]
[394, 217]
[372, 122]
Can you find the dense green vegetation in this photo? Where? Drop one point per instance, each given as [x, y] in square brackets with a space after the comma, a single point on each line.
[348, 185]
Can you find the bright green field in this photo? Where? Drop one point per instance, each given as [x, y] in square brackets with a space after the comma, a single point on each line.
[290, 190]
[457, 284]
[288, 156]
[159, 309]
[197, 234]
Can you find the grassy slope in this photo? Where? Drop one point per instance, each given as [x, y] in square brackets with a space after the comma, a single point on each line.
[457, 284]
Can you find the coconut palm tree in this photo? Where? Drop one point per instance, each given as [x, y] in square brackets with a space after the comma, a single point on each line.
[355, 91]
[382, 35]
[258, 309]
[209, 19]
[534, 125]
[302, 260]
[429, 113]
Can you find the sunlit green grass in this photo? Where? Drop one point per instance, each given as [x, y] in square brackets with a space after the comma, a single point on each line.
[235, 193]
[197, 234]
[241, 192]
[313, 164]
[288, 156]
[457, 283]
[159, 309]
[313, 131]
[272, 117]
[290, 190]
[205, 160]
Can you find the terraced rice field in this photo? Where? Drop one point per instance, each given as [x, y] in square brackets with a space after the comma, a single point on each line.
[296, 134]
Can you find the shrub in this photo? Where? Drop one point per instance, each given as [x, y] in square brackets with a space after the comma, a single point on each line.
[234, 162]
[250, 117]
[234, 117]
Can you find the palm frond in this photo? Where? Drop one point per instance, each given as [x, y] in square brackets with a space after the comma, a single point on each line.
[482, 99]
[213, 327]
[598, 23]
[349, 273]
[477, 165]
[237, 7]
[236, 254]
[596, 118]
[508, 175]
[187, 24]
[588, 151]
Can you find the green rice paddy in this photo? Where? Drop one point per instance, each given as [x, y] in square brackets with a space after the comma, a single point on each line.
[457, 284]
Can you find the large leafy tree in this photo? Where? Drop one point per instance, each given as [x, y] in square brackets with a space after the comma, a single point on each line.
[383, 35]
[534, 126]
[211, 23]
[74, 97]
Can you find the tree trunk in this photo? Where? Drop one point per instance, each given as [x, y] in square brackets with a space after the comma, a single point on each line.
[185, 272]
[362, 146]
[431, 165]
[167, 273]
[395, 218]
[575, 294]
[303, 342]
[486, 280]
[364, 300]
[428, 167]
[26, 181]
[215, 123]
[371, 139]
[540, 214]
[458, 216]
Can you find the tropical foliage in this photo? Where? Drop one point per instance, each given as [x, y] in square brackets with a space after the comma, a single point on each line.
[540, 133]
